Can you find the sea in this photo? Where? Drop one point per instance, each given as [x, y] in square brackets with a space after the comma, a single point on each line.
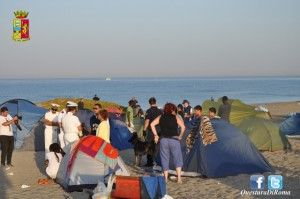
[121, 90]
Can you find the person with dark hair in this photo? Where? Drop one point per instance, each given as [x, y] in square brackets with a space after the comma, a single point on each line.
[80, 104]
[196, 119]
[152, 101]
[169, 138]
[187, 110]
[152, 113]
[71, 124]
[94, 120]
[212, 113]
[6, 136]
[180, 110]
[129, 115]
[53, 160]
[135, 100]
[225, 109]
[103, 130]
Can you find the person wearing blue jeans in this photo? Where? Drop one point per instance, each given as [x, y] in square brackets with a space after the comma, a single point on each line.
[169, 138]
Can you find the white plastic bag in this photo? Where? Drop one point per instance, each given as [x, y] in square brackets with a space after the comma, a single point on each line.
[24, 186]
[167, 197]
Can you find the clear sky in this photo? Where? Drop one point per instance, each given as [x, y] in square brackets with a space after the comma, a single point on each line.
[121, 38]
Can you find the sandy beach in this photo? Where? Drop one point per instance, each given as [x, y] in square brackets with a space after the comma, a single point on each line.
[29, 167]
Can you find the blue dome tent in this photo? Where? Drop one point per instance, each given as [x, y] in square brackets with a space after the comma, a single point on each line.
[120, 135]
[31, 115]
[291, 126]
[231, 154]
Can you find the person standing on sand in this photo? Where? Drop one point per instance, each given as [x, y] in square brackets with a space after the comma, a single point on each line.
[103, 130]
[6, 136]
[95, 121]
[60, 116]
[152, 113]
[138, 122]
[71, 124]
[225, 109]
[196, 119]
[169, 123]
[51, 127]
[129, 115]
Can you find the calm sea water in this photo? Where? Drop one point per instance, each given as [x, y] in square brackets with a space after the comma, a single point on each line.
[196, 90]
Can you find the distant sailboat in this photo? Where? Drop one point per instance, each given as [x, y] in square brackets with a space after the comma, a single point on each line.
[107, 78]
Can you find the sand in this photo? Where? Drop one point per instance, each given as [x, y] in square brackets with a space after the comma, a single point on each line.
[28, 168]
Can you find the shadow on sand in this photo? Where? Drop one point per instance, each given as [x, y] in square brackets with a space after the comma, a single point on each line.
[4, 184]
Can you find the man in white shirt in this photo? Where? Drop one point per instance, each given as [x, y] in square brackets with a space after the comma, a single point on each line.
[6, 136]
[71, 124]
[51, 127]
[61, 115]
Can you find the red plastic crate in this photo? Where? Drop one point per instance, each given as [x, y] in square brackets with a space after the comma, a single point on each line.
[127, 187]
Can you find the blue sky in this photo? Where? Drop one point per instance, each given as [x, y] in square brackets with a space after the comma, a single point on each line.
[122, 38]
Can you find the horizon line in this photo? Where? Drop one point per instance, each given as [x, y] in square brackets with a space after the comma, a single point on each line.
[155, 77]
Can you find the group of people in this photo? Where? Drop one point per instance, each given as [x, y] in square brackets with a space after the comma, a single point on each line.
[156, 127]
[64, 127]
[166, 128]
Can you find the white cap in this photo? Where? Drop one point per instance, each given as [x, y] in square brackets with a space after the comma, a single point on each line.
[55, 105]
[71, 104]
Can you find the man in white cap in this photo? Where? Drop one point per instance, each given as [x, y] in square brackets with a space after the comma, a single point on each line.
[61, 115]
[51, 126]
[71, 124]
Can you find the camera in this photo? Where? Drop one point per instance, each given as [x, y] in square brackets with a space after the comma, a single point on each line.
[17, 122]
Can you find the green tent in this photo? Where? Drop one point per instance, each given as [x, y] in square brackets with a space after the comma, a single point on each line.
[207, 104]
[264, 134]
[239, 110]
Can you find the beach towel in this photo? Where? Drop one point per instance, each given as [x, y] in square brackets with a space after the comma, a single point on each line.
[190, 141]
[207, 131]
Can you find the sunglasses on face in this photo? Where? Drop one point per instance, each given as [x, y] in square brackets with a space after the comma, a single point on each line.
[53, 109]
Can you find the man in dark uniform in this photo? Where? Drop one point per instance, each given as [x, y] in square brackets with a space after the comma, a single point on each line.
[152, 113]
[94, 121]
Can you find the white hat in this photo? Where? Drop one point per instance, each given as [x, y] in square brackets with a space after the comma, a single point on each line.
[55, 105]
[71, 104]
